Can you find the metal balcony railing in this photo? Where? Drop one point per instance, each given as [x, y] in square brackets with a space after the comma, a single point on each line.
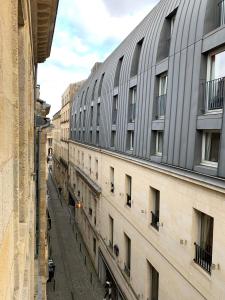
[161, 106]
[213, 94]
[221, 6]
[110, 245]
[155, 220]
[203, 258]
[127, 270]
[131, 112]
[114, 116]
[128, 200]
[112, 187]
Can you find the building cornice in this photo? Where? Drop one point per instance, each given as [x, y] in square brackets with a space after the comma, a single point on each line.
[43, 17]
[214, 183]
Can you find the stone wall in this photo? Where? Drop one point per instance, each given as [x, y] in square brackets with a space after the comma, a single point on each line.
[170, 249]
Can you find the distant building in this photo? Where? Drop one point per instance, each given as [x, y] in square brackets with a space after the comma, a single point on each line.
[60, 138]
[147, 157]
[26, 32]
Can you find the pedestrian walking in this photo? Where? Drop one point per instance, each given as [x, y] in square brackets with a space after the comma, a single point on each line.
[108, 290]
[51, 270]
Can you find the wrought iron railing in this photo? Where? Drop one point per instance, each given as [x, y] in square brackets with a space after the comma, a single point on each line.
[221, 6]
[112, 187]
[128, 200]
[127, 270]
[110, 244]
[114, 116]
[213, 94]
[203, 258]
[155, 220]
[161, 106]
[131, 112]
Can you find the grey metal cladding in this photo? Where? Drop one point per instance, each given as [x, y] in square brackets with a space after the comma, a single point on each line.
[186, 68]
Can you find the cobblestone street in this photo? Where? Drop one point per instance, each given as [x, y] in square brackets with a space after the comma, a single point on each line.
[75, 278]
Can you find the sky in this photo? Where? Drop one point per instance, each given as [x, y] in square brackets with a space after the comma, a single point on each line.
[86, 31]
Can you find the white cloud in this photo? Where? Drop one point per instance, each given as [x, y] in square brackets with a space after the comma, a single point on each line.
[82, 31]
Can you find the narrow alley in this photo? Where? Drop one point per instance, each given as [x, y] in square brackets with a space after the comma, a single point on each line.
[75, 278]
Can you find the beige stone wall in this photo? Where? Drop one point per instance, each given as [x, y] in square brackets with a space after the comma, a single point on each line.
[16, 156]
[171, 249]
[18, 58]
[43, 249]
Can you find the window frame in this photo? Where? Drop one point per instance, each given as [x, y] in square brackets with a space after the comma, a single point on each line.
[203, 160]
[157, 143]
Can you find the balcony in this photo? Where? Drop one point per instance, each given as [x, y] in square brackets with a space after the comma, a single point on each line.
[213, 94]
[160, 106]
[155, 220]
[114, 116]
[112, 187]
[203, 258]
[128, 200]
[127, 270]
[110, 245]
[131, 112]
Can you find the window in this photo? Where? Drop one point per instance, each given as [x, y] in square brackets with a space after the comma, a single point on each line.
[100, 85]
[128, 184]
[163, 84]
[204, 244]
[111, 232]
[153, 286]
[166, 35]
[132, 104]
[155, 197]
[118, 69]
[112, 179]
[80, 119]
[161, 98]
[127, 262]
[82, 98]
[90, 137]
[84, 118]
[113, 138]
[114, 109]
[96, 169]
[215, 85]
[159, 143]
[94, 245]
[98, 114]
[91, 116]
[82, 159]
[210, 148]
[97, 138]
[90, 164]
[93, 91]
[221, 5]
[130, 140]
[172, 22]
[78, 157]
[75, 120]
[136, 58]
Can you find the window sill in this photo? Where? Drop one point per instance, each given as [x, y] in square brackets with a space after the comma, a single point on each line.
[156, 158]
[206, 169]
[209, 164]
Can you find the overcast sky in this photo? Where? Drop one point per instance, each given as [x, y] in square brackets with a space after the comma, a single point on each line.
[86, 31]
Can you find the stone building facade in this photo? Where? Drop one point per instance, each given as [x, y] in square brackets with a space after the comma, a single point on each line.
[61, 125]
[147, 153]
[26, 30]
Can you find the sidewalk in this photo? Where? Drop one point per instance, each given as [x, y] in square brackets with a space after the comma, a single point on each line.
[75, 277]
